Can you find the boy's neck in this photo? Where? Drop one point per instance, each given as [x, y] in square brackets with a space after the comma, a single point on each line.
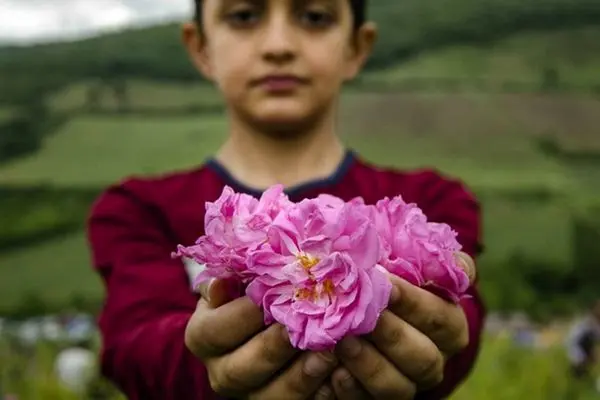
[260, 161]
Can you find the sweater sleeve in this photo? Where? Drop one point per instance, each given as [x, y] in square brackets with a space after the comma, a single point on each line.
[449, 201]
[148, 301]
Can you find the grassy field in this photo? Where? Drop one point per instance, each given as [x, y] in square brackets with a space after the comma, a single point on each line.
[99, 150]
[145, 95]
[41, 272]
[510, 372]
[483, 138]
[5, 113]
[505, 372]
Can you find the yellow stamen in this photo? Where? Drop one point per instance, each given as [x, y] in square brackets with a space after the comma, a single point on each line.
[314, 293]
[307, 261]
[328, 287]
[305, 294]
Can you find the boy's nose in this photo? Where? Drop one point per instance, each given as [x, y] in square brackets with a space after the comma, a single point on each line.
[279, 41]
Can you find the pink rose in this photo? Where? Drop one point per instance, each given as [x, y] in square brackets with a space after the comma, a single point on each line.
[318, 274]
[440, 268]
[233, 224]
[395, 221]
[421, 252]
[321, 267]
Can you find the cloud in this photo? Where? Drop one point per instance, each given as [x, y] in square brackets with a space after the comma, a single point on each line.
[45, 20]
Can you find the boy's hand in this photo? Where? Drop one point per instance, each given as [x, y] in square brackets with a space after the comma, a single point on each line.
[245, 360]
[407, 351]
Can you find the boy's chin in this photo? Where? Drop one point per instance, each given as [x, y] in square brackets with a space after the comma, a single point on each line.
[285, 118]
[284, 108]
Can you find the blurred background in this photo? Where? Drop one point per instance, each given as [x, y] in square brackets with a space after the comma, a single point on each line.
[504, 94]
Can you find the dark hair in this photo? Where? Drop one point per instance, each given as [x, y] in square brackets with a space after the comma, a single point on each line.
[358, 7]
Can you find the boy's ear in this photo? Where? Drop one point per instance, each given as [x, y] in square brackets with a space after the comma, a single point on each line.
[361, 48]
[195, 44]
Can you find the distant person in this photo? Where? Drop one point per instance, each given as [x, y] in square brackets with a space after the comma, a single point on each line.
[75, 367]
[523, 331]
[582, 343]
[280, 66]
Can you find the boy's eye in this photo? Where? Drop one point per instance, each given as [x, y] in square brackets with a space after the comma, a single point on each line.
[317, 19]
[243, 17]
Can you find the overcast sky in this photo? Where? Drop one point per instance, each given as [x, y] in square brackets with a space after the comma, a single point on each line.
[23, 21]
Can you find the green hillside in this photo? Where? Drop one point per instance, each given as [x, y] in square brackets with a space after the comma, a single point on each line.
[564, 59]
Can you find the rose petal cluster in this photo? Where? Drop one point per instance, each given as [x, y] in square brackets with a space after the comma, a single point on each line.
[235, 225]
[321, 266]
[421, 252]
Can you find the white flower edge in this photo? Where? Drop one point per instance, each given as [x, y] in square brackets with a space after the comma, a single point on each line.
[193, 269]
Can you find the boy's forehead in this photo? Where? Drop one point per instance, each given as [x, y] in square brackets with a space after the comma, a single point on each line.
[294, 2]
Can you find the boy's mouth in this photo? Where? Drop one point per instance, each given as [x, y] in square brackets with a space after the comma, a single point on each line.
[280, 83]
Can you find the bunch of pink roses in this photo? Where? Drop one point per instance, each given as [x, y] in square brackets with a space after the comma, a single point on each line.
[321, 266]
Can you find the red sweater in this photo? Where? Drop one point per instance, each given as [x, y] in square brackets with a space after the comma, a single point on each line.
[135, 225]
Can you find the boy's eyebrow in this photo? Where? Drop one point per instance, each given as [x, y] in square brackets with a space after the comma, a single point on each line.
[330, 3]
[225, 3]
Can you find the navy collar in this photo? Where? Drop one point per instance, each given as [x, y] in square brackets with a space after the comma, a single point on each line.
[292, 191]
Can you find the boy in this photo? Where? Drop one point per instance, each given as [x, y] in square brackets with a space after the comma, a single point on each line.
[280, 65]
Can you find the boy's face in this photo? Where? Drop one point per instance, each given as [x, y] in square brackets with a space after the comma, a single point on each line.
[279, 62]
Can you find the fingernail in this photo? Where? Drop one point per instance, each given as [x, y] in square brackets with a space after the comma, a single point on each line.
[318, 364]
[209, 287]
[348, 383]
[395, 294]
[466, 263]
[202, 288]
[324, 393]
[345, 380]
[350, 347]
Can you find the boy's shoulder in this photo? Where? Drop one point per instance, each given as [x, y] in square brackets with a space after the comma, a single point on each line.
[415, 185]
[172, 180]
[442, 198]
[162, 189]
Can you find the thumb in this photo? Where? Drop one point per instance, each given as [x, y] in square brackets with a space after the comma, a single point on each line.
[213, 291]
[468, 265]
[217, 292]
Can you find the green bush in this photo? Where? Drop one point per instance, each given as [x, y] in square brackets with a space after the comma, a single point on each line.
[551, 147]
[586, 251]
[24, 132]
[33, 305]
[33, 214]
